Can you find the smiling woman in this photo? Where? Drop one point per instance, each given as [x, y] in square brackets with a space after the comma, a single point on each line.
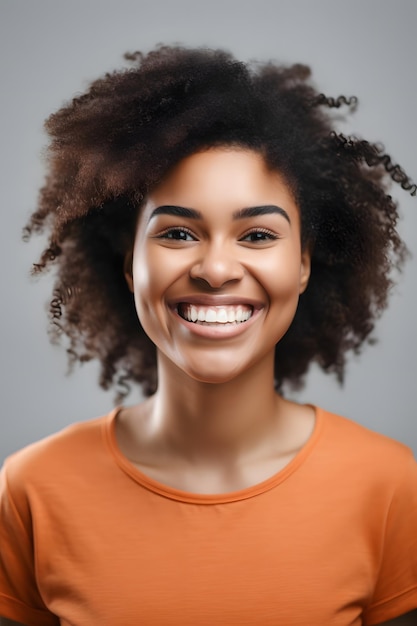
[212, 235]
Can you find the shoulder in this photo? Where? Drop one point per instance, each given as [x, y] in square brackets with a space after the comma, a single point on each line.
[357, 453]
[71, 448]
[353, 437]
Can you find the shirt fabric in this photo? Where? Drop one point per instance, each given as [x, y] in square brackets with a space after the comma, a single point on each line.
[86, 538]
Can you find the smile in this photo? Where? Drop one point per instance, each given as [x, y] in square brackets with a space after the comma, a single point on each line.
[215, 314]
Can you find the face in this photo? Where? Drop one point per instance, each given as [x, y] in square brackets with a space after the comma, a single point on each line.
[217, 264]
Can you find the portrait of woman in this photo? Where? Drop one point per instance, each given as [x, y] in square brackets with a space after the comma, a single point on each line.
[212, 233]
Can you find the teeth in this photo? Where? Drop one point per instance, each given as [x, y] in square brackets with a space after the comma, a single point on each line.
[211, 316]
[215, 314]
[222, 316]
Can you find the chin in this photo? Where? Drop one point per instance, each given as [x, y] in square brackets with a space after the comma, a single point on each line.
[212, 376]
[215, 373]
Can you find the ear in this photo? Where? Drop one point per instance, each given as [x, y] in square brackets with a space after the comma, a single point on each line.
[305, 269]
[127, 268]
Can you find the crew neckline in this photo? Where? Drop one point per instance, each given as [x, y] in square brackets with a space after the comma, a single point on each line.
[216, 498]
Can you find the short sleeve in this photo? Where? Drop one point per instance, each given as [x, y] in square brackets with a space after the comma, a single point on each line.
[20, 599]
[395, 592]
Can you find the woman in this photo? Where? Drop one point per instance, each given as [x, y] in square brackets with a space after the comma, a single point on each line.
[215, 203]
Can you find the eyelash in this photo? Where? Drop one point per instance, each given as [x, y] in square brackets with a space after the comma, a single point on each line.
[265, 234]
[179, 229]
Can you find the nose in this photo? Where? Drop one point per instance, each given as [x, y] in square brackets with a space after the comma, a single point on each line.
[217, 265]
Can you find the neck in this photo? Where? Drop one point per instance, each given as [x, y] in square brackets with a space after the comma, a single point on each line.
[213, 420]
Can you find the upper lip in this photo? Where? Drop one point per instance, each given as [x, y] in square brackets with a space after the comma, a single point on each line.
[219, 300]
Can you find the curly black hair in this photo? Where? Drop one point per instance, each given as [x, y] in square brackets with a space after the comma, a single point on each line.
[112, 145]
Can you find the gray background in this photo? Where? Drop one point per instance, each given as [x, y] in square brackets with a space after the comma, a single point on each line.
[50, 49]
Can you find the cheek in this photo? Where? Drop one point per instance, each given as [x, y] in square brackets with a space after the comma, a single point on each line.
[280, 275]
[146, 280]
[153, 274]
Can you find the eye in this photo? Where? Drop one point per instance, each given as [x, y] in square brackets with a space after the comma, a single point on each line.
[177, 234]
[259, 235]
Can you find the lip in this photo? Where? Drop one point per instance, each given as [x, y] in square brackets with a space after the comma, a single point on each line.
[218, 331]
[220, 300]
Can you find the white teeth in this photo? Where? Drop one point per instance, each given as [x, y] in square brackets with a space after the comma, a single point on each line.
[211, 316]
[222, 316]
[216, 314]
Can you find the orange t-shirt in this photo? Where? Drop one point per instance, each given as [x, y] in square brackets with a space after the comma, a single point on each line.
[85, 538]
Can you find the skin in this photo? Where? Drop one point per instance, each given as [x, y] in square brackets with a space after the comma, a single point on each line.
[216, 424]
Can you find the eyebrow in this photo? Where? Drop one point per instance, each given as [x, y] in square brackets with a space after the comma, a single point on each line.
[261, 210]
[193, 214]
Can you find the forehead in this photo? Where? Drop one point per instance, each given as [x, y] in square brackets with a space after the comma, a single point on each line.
[228, 175]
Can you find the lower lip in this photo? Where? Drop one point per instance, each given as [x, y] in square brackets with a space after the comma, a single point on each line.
[216, 331]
